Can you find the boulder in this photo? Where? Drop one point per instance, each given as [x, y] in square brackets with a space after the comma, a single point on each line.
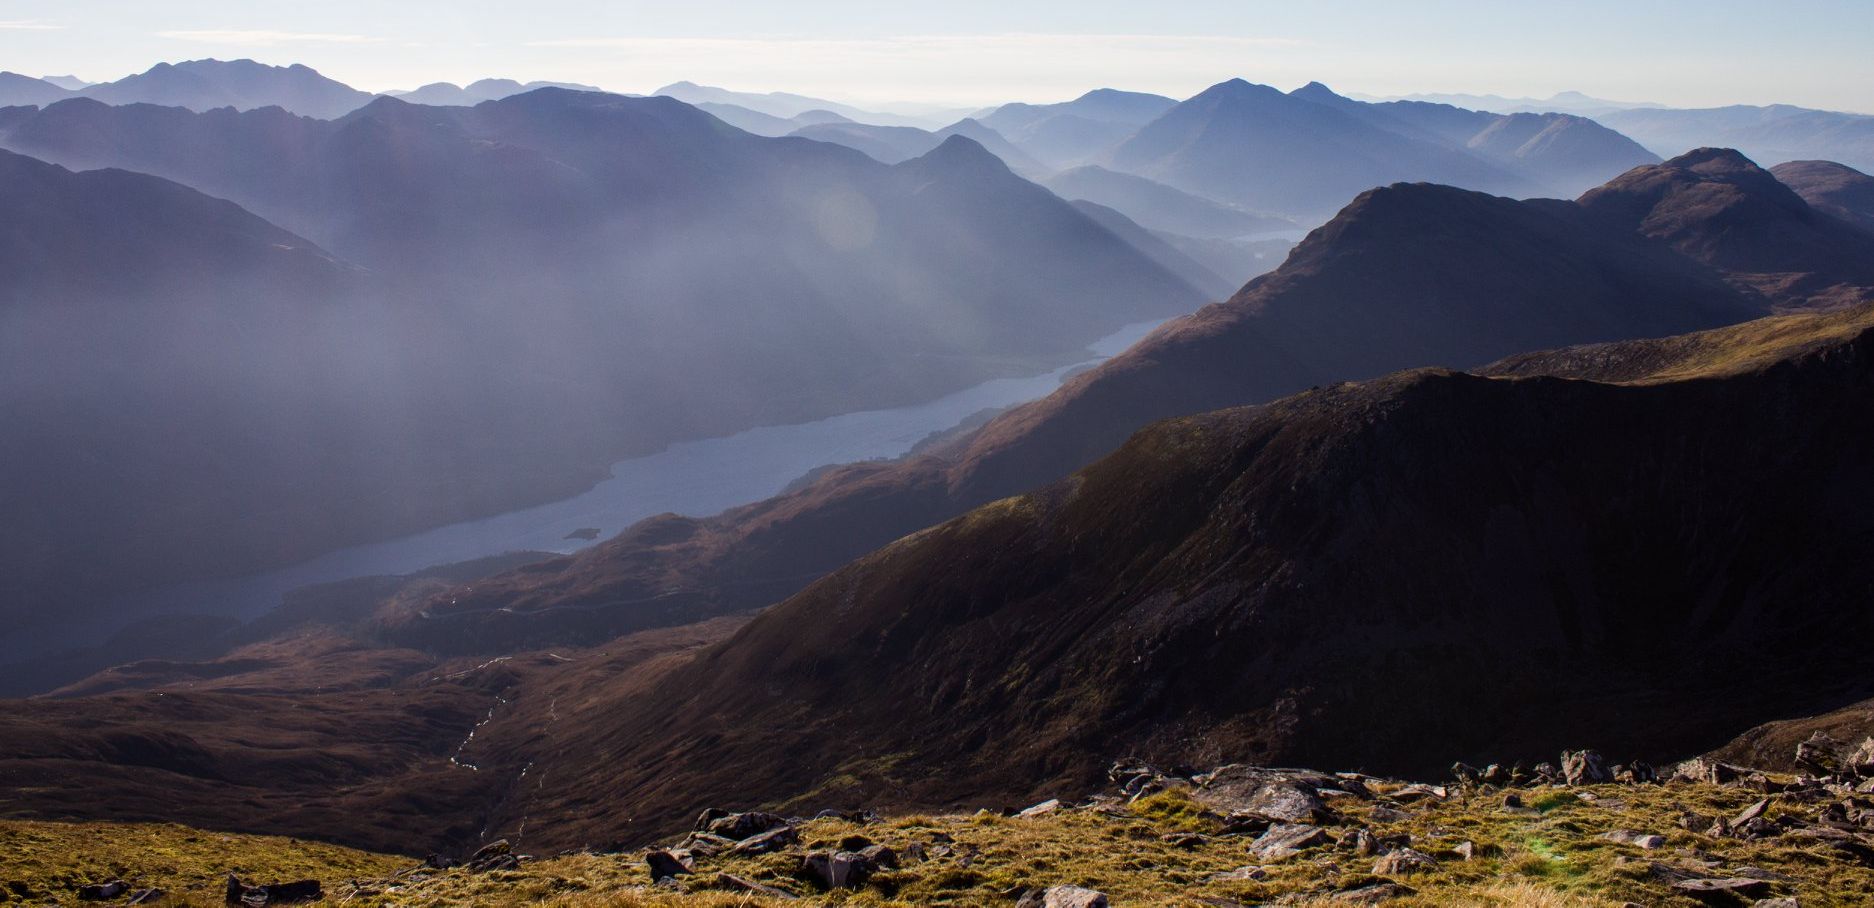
[99, 892]
[1042, 809]
[1721, 891]
[732, 883]
[1065, 897]
[1635, 838]
[740, 826]
[1403, 861]
[665, 865]
[1464, 772]
[707, 844]
[767, 842]
[835, 869]
[239, 893]
[1288, 802]
[1286, 840]
[1496, 774]
[879, 857]
[1373, 894]
[1585, 767]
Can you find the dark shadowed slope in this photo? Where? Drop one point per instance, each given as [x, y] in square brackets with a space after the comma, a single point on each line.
[1832, 188]
[1320, 581]
[242, 84]
[1407, 275]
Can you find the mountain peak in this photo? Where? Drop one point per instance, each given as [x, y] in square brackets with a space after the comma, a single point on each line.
[1713, 161]
[1314, 91]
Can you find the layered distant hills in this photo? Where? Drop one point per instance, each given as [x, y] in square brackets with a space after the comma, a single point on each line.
[561, 278]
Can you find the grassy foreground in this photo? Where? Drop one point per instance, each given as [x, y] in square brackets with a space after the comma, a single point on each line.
[1160, 850]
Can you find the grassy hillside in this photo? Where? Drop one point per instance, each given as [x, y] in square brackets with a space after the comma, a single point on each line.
[1165, 848]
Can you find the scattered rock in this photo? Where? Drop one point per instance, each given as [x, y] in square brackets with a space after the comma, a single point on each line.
[707, 844]
[1784, 902]
[1073, 897]
[146, 896]
[767, 842]
[1374, 894]
[1466, 851]
[1286, 840]
[239, 893]
[1388, 815]
[1364, 843]
[879, 857]
[734, 883]
[1403, 861]
[1042, 809]
[741, 826]
[98, 892]
[1635, 838]
[1721, 891]
[835, 870]
[1513, 800]
[1496, 774]
[1240, 874]
[1585, 767]
[1464, 772]
[664, 865]
[1289, 802]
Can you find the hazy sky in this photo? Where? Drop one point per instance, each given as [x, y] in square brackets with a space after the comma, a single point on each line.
[1813, 52]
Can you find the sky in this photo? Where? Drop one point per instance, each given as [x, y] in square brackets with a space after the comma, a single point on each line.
[1817, 53]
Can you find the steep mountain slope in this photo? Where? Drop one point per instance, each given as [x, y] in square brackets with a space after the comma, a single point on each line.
[1406, 275]
[17, 91]
[1254, 146]
[556, 255]
[1773, 134]
[242, 84]
[1211, 592]
[1160, 207]
[1831, 188]
[1073, 132]
[1717, 207]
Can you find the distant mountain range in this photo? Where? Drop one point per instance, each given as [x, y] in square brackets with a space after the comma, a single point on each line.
[449, 94]
[1572, 102]
[786, 106]
[1074, 132]
[1774, 134]
[531, 262]
[1307, 151]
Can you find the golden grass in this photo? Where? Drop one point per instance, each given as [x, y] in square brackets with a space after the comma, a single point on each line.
[1161, 851]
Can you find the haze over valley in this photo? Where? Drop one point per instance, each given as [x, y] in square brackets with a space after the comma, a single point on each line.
[1247, 477]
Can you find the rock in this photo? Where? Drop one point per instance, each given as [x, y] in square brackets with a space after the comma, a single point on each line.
[1240, 874]
[496, 855]
[1466, 851]
[1513, 800]
[1073, 897]
[734, 883]
[1042, 809]
[1496, 774]
[741, 826]
[1403, 861]
[879, 857]
[98, 892]
[1364, 843]
[708, 816]
[146, 896]
[1464, 772]
[438, 862]
[664, 865]
[1585, 767]
[1784, 902]
[767, 842]
[1289, 802]
[835, 870]
[239, 893]
[1544, 773]
[1374, 894]
[1721, 891]
[1417, 792]
[1635, 838]
[1750, 813]
[1388, 815]
[1637, 773]
[1285, 841]
[707, 844]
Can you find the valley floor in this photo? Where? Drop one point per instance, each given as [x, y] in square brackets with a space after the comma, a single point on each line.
[1378, 842]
